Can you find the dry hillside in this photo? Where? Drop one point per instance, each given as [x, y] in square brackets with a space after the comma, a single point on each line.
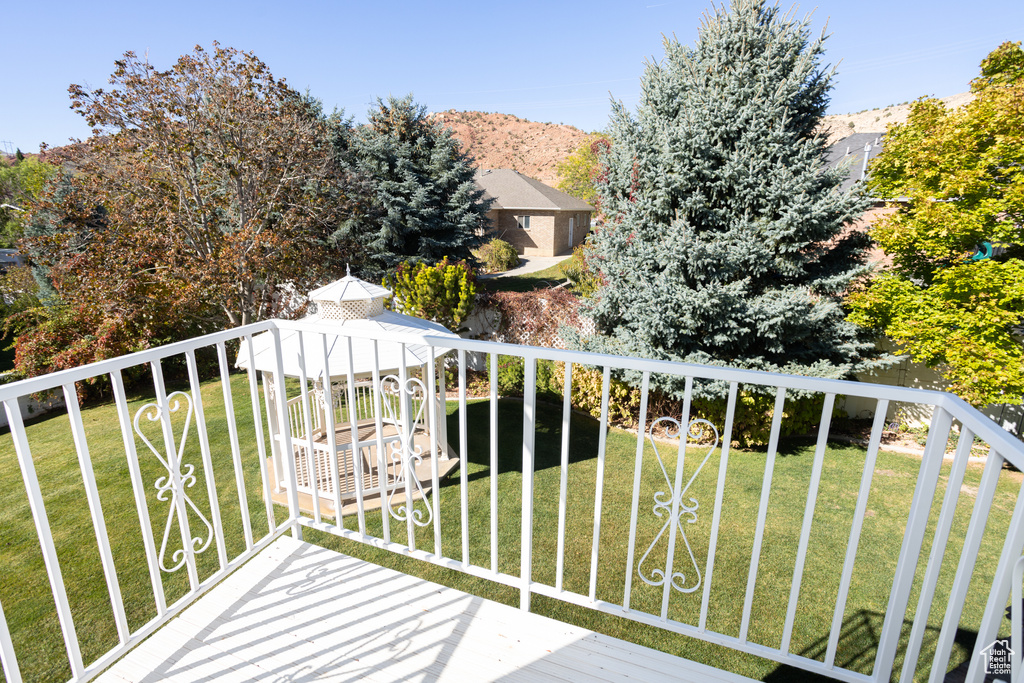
[838, 126]
[505, 141]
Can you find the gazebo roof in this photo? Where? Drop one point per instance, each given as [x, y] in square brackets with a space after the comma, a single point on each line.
[349, 288]
[366, 354]
[389, 354]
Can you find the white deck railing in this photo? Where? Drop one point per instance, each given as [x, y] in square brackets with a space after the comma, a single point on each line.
[195, 540]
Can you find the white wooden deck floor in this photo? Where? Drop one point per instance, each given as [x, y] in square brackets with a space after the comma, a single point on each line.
[298, 612]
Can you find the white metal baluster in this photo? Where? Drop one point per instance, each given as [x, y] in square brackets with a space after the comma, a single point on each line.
[204, 449]
[382, 465]
[35, 502]
[175, 474]
[493, 473]
[1016, 621]
[641, 437]
[805, 529]
[762, 510]
[357, 457]
[332, 439]
[12, 673]
[938, 551]
[965, 566]
[92, 496]
[139, 491]
[307, 420]
[463, 458]
[432, 434]
[286, 436]
[257, 419]
[676, 496]
[723, 464]
[442, 405]
[860, 510]
[563, 479]
[910, 550]
[529, 437]
[408, 445]
[599, 489]
[236, 453]
[1000, 591]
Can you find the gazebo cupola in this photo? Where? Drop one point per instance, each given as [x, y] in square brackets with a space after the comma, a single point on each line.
[349, 299]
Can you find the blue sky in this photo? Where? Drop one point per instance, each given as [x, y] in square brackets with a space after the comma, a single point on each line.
[544, 61]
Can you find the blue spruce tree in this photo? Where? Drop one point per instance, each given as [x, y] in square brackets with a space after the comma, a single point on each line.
[725, 241]
[424, 204]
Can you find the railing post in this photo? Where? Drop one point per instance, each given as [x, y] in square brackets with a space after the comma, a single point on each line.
[529, 434]
[9, 661]
[38, 508]
[913, 539]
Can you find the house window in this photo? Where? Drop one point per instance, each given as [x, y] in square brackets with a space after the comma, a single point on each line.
[524, 222]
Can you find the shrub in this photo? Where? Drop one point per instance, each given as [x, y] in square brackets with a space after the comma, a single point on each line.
[577, 269]
[751, 422]
[444, 292]
[536, 317]
[511, 371]
[623, 400]
[498, 256]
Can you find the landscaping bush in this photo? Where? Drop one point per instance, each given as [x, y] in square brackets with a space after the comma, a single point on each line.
[534, 318]
[511, 371]
[444, 292]
[751, 422]
[498, 256]
[577, 270]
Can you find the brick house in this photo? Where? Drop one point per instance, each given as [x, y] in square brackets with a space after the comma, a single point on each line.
[535, 218]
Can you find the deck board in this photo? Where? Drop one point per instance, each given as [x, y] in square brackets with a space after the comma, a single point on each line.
[298, 612]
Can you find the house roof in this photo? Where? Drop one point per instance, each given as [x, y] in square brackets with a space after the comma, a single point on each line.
[850, 153]
[512, 190]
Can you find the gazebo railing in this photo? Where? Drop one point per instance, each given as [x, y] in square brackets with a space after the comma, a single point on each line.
[661, 535]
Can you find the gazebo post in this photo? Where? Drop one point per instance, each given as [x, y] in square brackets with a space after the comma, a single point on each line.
[275, 431]
[321, 400]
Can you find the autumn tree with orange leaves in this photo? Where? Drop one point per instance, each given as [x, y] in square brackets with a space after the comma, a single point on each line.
[203, 190]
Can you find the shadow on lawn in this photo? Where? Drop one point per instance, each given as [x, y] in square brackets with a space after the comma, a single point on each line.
[584, 431]
[858, 644]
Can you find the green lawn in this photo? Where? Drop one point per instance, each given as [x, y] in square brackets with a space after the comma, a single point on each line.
[549, 277]
[30, 612]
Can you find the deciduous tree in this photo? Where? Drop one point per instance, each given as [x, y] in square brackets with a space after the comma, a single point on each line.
[954, 295]
[21, 183]
[579, 172]
[204, 192]
[218, 178]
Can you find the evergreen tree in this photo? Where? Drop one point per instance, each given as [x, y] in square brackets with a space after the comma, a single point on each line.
[724, 242]
[425, 203]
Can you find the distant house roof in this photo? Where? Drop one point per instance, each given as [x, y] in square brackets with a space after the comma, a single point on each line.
[512, 190]
[850, 153]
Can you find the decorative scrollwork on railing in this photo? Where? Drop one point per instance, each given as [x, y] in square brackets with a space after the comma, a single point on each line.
[404, 451]
[685, 507]
[186, 478]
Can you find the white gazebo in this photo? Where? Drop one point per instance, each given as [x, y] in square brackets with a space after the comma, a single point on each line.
[377, 410]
